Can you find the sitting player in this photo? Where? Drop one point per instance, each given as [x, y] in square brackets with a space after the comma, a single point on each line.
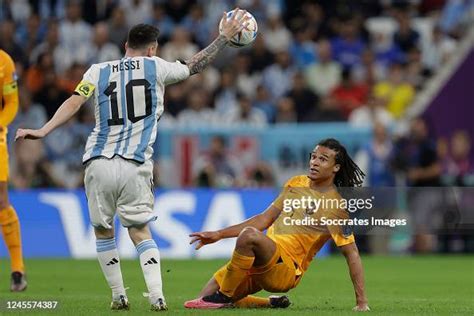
[276, 262]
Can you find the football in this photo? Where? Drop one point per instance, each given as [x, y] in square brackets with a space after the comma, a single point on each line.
[247, 35]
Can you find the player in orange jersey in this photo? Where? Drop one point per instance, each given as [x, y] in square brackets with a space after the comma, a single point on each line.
[8, 218]
[277, 260]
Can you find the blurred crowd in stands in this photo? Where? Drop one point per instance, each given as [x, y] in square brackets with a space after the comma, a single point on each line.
[361, 62]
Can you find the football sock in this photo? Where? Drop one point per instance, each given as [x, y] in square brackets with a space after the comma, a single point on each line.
[253, 302]
[12, 236]
[109, 262]
[237, 270]
[150, 263]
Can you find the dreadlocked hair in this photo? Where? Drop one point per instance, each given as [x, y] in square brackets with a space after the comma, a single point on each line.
[349, 174]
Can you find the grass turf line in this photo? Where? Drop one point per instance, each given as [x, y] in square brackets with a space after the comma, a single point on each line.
[426, 285]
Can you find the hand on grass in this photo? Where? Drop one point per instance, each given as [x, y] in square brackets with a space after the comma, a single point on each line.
[361, 308]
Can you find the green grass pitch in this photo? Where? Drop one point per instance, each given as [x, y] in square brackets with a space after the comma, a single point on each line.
[431, 285]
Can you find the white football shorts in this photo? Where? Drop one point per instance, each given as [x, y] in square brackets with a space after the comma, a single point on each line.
[119, 186]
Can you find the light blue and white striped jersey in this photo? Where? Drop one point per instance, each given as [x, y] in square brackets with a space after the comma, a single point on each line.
[128, 101]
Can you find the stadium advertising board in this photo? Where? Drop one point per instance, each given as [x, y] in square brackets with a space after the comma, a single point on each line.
[56, 223]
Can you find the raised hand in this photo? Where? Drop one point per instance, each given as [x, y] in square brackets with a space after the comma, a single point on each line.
[204, 238]
[230, 27]
[234, 24]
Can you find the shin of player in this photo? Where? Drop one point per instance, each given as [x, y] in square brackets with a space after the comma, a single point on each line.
[109, 261]
[149, 256]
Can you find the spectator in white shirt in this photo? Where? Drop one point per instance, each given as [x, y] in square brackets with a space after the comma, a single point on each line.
[75, 34]
[322, 77]
[246, 81]
[179, 47]
[437, 51]
[101, 49]
[277, 78]
[276, 36]
[137, 11]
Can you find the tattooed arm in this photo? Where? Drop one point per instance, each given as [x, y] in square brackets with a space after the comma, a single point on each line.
[200, 61]
[230, 27]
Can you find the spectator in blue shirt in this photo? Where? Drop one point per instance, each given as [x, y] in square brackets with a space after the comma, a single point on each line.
[348, 47]
[302, 49]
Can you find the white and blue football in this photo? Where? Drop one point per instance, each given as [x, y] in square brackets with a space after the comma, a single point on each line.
[247, 35]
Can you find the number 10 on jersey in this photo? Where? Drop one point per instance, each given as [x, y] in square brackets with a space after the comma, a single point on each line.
[111, 92]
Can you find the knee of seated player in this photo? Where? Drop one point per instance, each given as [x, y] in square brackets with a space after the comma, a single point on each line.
[280, 279]
[249, 236]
